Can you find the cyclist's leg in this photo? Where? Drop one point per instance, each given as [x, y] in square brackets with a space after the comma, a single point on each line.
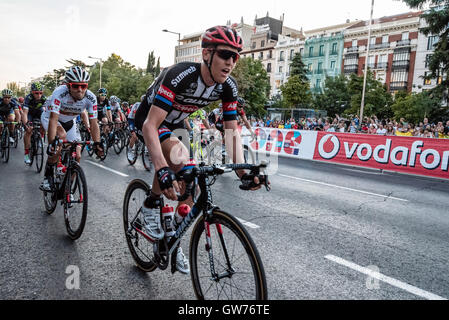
[74, 135]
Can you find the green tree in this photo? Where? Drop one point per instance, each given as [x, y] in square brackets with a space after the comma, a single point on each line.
[153, 68]
[417, 106]
[296, 93]
[298, 68]
[377, 98]
[253, 84]
[437, 19]
[335, 97]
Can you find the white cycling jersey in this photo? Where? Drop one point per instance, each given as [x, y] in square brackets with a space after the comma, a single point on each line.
[62, 103]
[115, 107]
[132, 113]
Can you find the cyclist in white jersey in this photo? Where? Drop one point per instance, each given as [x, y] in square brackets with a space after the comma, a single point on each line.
[65, 104]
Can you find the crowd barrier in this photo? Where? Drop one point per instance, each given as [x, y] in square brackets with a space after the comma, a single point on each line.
[419, 156]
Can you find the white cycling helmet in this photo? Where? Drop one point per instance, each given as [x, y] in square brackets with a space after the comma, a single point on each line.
[114, 99]
[76, 74]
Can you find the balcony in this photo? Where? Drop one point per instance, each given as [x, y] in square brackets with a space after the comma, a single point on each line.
[376, 66]
[403, 43]
[351, 68]
[379, 46]
[352, 50]
[398, 85]
[400, 65]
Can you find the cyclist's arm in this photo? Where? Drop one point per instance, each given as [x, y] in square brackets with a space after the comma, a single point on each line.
[25, 116]
[150, 128]
[85, 119]
[234, 143]
[94, 129]
[187, 123]
[52, 125]
[206, 123]
[109, 114]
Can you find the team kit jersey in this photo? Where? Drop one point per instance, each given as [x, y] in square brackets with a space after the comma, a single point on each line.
[34, 107]
[7, 109]
[62, 103]
[180, 90]
[102, 107]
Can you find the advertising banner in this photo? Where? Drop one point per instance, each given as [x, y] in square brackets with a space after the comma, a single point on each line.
[412, 155]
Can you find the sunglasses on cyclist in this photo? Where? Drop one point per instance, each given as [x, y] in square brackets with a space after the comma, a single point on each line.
[37, 92]
[226, 54]
[103, 95]
[79, 85]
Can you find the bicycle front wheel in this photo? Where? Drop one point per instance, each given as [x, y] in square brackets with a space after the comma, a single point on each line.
[75, 202]
[5, 144]
[224, 261]
[141, 249]
[39, 153]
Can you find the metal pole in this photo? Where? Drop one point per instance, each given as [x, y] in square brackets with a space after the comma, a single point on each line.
[366, 64]
[101, 64]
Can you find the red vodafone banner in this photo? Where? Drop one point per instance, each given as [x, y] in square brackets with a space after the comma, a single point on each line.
[420, 156]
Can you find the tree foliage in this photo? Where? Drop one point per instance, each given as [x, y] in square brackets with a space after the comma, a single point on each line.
[253, 84]
[335, 97]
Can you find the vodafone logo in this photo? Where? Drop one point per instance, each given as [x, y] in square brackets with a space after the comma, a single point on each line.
[393, 153]
[335, 147]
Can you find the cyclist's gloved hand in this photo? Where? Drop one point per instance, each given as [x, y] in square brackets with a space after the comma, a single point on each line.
[165, 176]
[51, 148]
[252, 181]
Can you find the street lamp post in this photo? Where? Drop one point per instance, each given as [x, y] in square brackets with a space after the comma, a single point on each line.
[179, 38]
[101, 64]
[366, 64]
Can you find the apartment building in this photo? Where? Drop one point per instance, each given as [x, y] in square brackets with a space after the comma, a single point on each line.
[323, 54]
[285, 49]
[425, 49]
[392, 49]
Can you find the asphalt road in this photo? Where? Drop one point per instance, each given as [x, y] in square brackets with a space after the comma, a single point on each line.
[323, 232]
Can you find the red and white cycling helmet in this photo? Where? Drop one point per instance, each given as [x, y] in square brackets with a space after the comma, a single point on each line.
[221, 35]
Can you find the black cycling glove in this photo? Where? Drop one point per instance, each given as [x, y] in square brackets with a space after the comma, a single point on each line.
[165, 176]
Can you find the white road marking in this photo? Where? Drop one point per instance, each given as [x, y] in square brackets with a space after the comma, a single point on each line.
[106, 168]
[344, 188]
[386, 279]
[248, 224]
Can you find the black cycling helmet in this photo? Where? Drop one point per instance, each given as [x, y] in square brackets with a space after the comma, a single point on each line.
[102, 91]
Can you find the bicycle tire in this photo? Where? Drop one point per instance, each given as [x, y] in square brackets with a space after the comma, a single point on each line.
[135, 153]
[249, 155]
[75, 230]
[32, 150]
[117, 140]
[104, 144]
[6, 144]
[250, 276]
[135, 240]
[39, 154]
[146, 159]
[15, 137]
[51, 198]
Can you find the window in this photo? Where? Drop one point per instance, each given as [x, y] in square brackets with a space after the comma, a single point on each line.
[354, 43]
[269, 67]
[431, 42]
[261, 55]
[292, 54]
[399, 76]
[253, 46]
[270, 54]
[372, 40]
[320, 66]
[252, 55]
[318, 84]
[309, 67]
[405, 35]
[280, 69]
[428, 57]
[311, 52]
[281, 56]
[334, 48]
[262, 43]
[385, 39]
[371, 62]
[332, 65]
[322, 50]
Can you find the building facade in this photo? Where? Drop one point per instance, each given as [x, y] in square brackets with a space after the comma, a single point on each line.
[392, 49]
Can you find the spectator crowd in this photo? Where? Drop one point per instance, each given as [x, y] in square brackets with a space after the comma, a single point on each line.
[369, 125]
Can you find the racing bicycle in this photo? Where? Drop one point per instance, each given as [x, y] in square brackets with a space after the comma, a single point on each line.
[224, 261]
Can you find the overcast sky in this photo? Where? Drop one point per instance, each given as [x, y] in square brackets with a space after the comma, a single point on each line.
[38, 36]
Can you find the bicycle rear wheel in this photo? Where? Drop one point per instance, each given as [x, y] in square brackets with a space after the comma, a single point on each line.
[238, 271]
[15, 136]
[141, 249]
[75, 202]
[38, 153]
[5, 145]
